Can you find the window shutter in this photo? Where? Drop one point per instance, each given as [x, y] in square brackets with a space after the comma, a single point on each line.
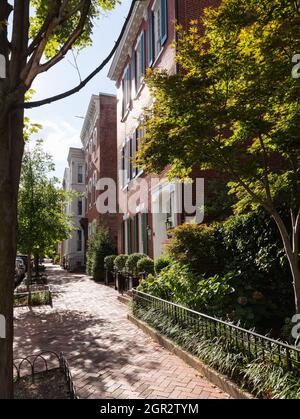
[129, 236]
[135, 233]
[150, 40]
[134, 150]
[163, 21]
[127, 160]
[143, 51]
[145, 232]
[122, 237]
[134, 73]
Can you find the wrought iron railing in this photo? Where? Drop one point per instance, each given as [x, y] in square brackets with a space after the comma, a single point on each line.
[253, 345]
[45, 361]
[22, 296]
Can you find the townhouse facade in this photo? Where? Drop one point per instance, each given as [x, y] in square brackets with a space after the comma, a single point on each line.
[73, 249]
[99, 141]
[147, 43]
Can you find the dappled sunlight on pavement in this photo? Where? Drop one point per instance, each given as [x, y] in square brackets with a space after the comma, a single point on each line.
[109, 357]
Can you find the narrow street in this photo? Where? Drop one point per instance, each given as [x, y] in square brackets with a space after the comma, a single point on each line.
[109, 357]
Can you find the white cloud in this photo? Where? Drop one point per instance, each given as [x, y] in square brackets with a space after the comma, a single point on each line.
[58, 138]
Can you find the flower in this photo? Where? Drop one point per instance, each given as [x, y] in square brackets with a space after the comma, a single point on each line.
[242, 301]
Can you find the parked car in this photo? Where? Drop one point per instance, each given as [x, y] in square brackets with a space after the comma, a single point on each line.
[20, 271]
[25, 260]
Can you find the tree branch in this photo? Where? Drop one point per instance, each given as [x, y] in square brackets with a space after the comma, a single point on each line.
[30, 105]
[70, 41]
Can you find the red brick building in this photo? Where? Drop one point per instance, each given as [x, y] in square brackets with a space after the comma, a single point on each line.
[147, 42]
[99, 140]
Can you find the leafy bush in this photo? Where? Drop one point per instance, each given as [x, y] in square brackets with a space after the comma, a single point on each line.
[56, 260]
[146, 265]
[161, 263]
[99, 246]
[197, 246]
[219, 296]
[132, 261]
[254, 250]
[109, 262]
[249, 249]
[120, 263]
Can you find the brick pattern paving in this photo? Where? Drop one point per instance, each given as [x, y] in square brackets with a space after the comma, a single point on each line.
[109, 356]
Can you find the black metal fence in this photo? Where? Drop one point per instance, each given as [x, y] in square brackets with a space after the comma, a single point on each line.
[45, 361]
[251, 344]
[38, 295]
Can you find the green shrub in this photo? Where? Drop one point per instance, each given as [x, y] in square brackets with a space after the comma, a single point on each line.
[109, 262]
[56, 260]
[132, 261]
[197, 246]
[254, 250]
[218, 296]
[99, 246]
[250, 247]
[161, 263]
[120, 263]
[146, 265]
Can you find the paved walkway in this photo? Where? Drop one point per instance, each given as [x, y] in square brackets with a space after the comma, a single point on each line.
[109, 357]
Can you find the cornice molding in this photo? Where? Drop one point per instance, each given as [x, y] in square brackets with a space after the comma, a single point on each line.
[130, 33]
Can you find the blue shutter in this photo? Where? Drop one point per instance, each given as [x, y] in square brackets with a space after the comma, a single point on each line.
[163, 21]
[143, 52]
[150, 40]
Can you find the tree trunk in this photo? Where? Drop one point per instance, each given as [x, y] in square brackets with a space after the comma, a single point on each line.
[292, 256]
[11, 151]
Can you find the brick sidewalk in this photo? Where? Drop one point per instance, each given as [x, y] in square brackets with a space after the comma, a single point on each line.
[109, 357]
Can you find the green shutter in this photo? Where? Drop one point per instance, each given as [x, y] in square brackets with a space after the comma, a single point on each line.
[150, 41]
[135, 233]
[163, 21]
[122, 237]
[145, 232]
[129, 236]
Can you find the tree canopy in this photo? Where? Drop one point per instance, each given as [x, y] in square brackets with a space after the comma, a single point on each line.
[234, 108]
[42, 222]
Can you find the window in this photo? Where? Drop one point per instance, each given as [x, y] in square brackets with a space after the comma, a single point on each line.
[136, 241]
[80, 174]
[94, 182]
[139, 62]
[94, 139]
[126, 89]
[80, 206]
[90, 192]
[139, 133]
[94, 226]
[150, 41]
[126, 162]
[79, 241]
[158, 29]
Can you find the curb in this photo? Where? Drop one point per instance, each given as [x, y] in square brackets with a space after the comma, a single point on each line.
[123, 300]
[213, 376]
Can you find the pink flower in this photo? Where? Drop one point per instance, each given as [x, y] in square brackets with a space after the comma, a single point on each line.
[242, 301]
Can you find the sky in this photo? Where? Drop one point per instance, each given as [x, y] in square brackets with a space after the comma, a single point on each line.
[61, 127]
